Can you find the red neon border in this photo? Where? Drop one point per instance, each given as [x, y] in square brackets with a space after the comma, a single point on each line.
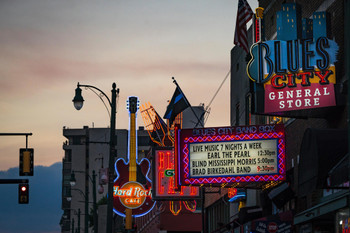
[186, 137]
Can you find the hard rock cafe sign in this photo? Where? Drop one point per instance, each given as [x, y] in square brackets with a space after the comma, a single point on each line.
[132, 187]
[132, 194]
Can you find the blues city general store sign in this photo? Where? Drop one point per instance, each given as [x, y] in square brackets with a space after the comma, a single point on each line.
[299, 73]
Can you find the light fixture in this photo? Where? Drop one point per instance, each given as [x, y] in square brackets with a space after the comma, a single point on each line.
[72, 180]
[78, 100]
[309, 214]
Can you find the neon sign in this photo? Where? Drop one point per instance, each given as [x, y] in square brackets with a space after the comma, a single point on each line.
[215, 156]
[132, 187]
[296, 73]
[345, 225]
[164, 179]
[132, 194]
[236, 194]
[300, 84]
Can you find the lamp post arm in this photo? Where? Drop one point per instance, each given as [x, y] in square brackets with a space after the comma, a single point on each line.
[75, 212]
[91, 179]
[86, 196]
[93, 87]
[81, 192]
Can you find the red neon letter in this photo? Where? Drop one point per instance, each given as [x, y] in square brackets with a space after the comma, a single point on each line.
[193, 191]
[160, 178]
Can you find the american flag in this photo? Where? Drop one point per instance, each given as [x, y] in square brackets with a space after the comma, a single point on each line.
[244, 14]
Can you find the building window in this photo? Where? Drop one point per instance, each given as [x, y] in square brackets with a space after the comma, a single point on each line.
[75, 140]
[143, 140]
[68, 156]
[66, 190]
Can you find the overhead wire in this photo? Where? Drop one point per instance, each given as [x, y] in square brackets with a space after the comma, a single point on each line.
[207, 109]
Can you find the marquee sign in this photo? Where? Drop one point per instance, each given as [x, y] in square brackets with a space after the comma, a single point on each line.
[215, 156]
[164, 179]
[296, 71]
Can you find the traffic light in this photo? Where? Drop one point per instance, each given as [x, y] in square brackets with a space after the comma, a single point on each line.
[23, 193]
[26, 161]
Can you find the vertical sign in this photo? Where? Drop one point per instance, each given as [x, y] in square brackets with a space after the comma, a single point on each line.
[164, 179]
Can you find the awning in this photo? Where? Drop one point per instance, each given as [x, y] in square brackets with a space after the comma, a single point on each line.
[320, 151]
[249, 213]
[339, 173]
[333, 203]
[281, 195]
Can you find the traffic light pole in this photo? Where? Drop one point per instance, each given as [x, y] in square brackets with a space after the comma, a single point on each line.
[23, 189]
[18, 134]
[14, 181]
[26, 157]
[23, 183]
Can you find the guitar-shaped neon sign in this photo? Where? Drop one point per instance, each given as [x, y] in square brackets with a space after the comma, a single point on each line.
[132, 188]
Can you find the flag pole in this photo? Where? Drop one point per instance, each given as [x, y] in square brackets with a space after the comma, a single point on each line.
[177, 85]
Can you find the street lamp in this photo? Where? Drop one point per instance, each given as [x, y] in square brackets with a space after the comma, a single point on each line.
[86, 218]
[72, 182]
[78, 99]
[76, 213]
[78, 104]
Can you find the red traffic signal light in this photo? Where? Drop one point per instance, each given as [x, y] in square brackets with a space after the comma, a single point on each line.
[23, 193]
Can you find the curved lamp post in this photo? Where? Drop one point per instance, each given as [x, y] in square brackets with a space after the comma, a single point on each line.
[86, 217]
[78, 104]
[72, 182]
[76, 213]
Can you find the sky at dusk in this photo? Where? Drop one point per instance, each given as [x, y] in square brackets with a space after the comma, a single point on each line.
[47, 46]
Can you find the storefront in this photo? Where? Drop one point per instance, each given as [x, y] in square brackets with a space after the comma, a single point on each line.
[329, 216]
